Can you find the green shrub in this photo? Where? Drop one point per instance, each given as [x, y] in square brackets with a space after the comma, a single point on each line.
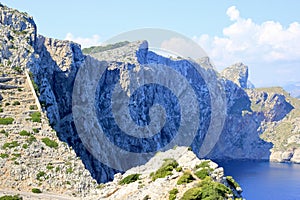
[17, 155]
[50, 143]
[1, 110]
[202, 173]
[36, 117]
[213, 190]
[16, 103]
[232, 182]
[178, 169]
[97, 49]
[10, 145]
[49, 166]
[33, 107]
[203, 164]
[17, 69]
[3, 155]
[40, 174]
[7, 104]
[185, 178]
[69, 170]
[173, 193]
[31, 139]
[129, 179]
[35, 130]
[4, 132]
[24, 133]
[6, 121]
[25, 146]
[165, 170]
[36, 190]
[20, 89]
[10, 197]
[57, 169]
[193, 194]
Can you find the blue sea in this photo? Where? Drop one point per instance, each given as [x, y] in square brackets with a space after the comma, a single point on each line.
[264, 180]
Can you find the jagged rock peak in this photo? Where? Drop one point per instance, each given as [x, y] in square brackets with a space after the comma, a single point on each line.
[18, 21]
[238, 73]
[205, 62]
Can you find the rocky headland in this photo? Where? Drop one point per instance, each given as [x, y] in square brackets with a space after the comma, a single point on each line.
[41, 148]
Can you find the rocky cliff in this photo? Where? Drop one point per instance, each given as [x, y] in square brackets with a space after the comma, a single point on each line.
[188, 178]
[54, 66]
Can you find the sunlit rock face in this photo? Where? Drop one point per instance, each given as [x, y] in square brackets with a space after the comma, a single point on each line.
[55, 65]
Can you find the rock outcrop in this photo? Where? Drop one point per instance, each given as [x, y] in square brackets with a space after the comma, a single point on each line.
[281, 125]
[238, 73]
[182, 178]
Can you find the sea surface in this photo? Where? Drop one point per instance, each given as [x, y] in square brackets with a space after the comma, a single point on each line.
[264, 180]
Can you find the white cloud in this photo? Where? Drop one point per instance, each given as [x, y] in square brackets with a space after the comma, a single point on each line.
[260, 45]
[233, 13]
[84, 42]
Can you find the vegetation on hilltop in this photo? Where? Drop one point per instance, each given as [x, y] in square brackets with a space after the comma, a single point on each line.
[97, 49]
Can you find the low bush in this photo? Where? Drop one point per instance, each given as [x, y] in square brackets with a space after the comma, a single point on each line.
[16, 103]
[50, 143]
[49, 166]
[6, 121]
[203, 164]
[10, 145]
[31, 139]
[129, 179]
[165, 170]
[35, 130]
[33, 107]
[69, 170]
[4, 132]
[36, 190]
[3, 155]
[232, 182]
[40, 174]
[173, 193]
[185, 178]
[24, 133]
[36, 117]
[193, 194]
[202, 173]
[11, 197]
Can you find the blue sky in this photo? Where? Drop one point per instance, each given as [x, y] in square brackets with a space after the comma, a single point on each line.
[262, 34]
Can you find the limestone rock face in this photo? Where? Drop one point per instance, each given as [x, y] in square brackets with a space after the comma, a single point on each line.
[54, 65]
[238, 73]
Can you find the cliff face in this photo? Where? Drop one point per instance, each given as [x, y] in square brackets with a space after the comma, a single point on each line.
[55, 64]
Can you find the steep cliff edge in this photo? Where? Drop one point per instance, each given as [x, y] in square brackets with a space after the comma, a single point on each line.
[281, 125]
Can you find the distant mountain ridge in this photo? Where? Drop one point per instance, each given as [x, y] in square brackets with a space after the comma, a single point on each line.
[293, 89]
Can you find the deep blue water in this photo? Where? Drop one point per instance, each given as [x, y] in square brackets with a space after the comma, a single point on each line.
[264, 180]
